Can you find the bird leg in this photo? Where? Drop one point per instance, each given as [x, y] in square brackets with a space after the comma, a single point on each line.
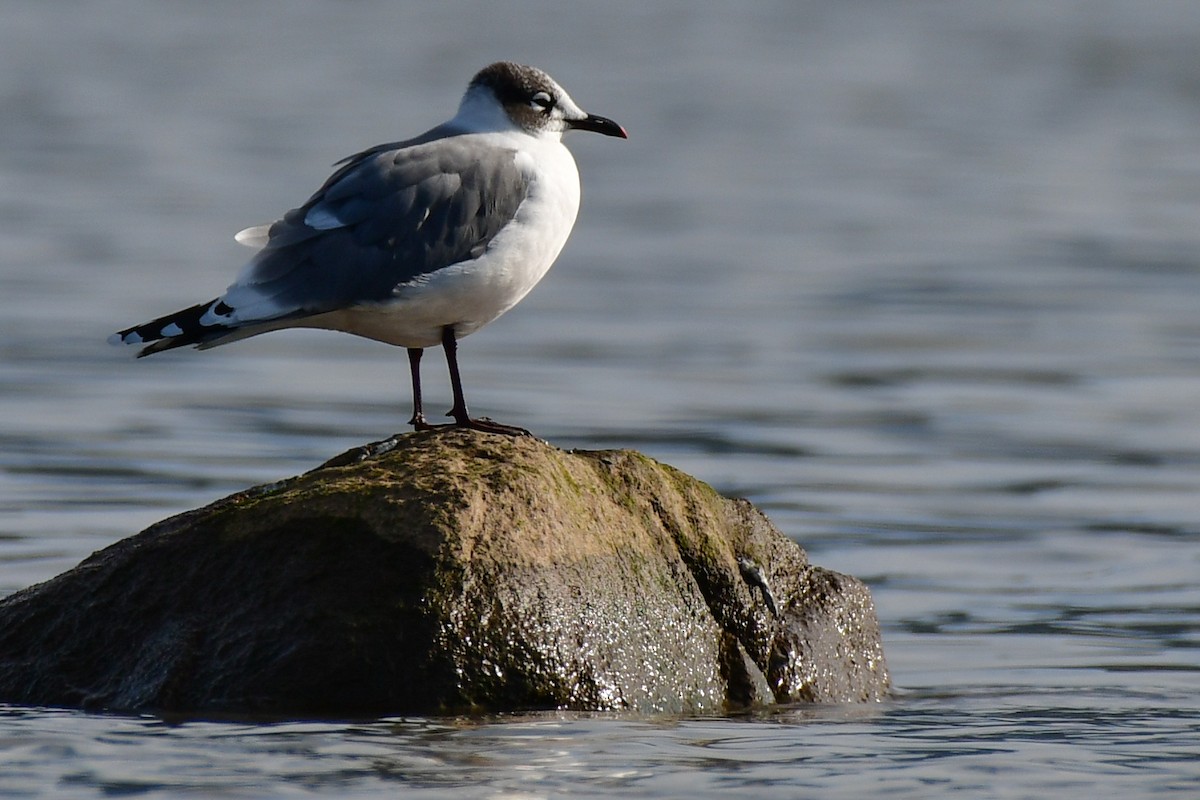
[461, 417]
[414, 366]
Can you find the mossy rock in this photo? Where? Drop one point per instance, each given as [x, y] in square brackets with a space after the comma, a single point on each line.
[449, 572]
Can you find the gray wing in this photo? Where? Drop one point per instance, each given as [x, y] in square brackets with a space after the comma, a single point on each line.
[387, 216]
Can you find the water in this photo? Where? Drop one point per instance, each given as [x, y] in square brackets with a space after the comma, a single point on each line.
[918, 278]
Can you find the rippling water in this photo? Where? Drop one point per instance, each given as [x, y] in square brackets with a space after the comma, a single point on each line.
[918, 278]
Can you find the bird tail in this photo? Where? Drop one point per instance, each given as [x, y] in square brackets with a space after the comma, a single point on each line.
[183, 328]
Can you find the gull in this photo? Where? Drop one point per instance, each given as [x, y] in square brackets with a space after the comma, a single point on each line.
[415, 243]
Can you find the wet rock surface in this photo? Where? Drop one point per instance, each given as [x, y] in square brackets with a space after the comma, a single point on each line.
[448, 572]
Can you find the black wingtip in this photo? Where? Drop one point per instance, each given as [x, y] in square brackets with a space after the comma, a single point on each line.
[180, 329]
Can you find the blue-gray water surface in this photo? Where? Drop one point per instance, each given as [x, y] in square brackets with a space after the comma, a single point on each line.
[920, 279]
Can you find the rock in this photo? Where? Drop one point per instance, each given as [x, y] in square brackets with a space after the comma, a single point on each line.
[447, 572]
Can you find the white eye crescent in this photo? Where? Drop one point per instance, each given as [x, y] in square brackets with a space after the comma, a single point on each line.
[542, 101]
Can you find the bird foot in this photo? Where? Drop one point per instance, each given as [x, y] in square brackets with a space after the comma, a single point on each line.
[483, 424]
[488, 426]
[419, 423]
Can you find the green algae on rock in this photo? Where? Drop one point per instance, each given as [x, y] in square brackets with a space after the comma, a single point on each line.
[448, 572]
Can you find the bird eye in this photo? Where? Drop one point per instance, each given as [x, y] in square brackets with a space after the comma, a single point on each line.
[542, 100]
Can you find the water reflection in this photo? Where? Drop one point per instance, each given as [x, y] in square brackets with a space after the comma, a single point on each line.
[918, 279]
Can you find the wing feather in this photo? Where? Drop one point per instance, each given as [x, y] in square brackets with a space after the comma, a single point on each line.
[387, 216]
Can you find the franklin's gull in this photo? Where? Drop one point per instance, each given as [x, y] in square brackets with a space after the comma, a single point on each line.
[414, 243]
